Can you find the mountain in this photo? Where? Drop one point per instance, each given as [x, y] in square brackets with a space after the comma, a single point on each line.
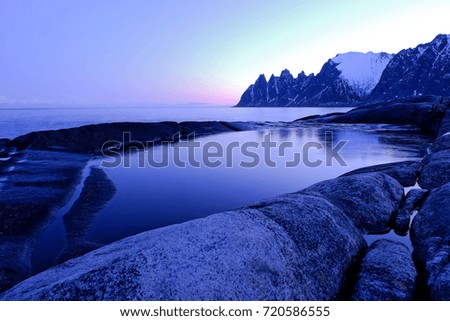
[353, 78]
[344, 80]
[362, 72]
[424, 70]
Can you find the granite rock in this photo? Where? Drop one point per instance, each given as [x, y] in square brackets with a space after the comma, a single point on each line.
[430, 236]
[436, 170]
[387, 273]
[405, 172]
[295, 247]
[370, 200]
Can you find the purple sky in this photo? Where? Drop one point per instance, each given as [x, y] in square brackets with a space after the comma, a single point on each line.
[148, 52]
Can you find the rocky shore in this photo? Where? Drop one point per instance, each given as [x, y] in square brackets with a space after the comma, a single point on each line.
[307, 245]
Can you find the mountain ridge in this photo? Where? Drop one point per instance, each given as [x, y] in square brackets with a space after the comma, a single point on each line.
[354, 78]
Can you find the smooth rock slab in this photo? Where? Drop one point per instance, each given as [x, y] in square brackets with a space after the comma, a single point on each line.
[370, 200]
[430, 236]
[405, 173]
[294, 248]
[91, 138]
[96, 139]
[204, 128]
[415, 111]
[15, 260]
[37, 183]
[387, 273]
[436, 170]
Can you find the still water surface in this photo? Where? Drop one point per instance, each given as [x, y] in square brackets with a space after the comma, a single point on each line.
[149, 197]
[19, 121]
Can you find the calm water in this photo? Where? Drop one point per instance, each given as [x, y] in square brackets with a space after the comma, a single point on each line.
[18, 121]
[149, 197]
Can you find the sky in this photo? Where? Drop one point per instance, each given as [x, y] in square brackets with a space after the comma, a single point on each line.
[197, 52]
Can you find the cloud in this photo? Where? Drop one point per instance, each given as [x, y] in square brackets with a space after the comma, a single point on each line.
[6, 100]
[15, 102]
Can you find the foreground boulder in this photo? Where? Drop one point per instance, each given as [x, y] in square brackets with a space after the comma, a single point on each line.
[404, 172]
[295, 247]
[370, 200]
[387, 273]
[441, 143]
[417, 111]
[436, 170]
[430, 236]
[413, 200]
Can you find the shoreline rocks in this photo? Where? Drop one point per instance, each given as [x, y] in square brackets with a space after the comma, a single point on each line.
[430, 235]
[413, 201]
[370, 199]
[38, 183]
[97, 191]
[93, 139]
[42, 171]
[299, 246]
[436, 170]
[420, 112]
[247, 254]
[387, 273]
[406, 173]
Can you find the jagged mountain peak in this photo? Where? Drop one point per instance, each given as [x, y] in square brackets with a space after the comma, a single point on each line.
[261, 77]
[285, 73]
[440, 40]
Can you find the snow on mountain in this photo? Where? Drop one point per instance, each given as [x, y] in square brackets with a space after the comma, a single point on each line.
[362, 71]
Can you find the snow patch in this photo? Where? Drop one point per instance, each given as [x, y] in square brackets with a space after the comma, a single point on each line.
[362, 71]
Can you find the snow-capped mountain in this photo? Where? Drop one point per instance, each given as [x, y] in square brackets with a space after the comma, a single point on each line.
[353, 78]
[362, 71]
[344, 80]
[424, 70]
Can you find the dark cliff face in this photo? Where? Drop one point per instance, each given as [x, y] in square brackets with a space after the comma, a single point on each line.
[420, 71]
[325, 88]
[256, 95]
[424, 70]
[281, 89]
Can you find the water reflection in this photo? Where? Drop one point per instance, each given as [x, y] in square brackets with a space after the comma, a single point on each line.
[126, 201]
[149, 198]
[97, 191]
